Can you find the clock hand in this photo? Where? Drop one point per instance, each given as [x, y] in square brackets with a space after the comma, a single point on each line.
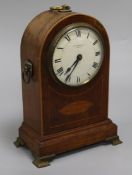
[68, 76]
[69, 68]
[79, 57]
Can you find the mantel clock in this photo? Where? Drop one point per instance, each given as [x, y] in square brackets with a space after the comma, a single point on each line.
[65, 75]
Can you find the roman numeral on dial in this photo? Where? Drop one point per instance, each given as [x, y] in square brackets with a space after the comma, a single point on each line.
[78, 33]
[60, 48]
[68, 79]
[78, 79]
[89, 75]
[95, 42]
[88, 36]
[67, 38]
[97, 53]
[60, 71]
[95, 65]
[58, 60]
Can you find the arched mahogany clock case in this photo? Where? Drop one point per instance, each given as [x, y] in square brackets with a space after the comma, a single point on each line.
[58, 118]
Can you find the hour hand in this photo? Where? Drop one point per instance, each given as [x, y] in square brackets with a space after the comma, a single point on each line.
[69, 68]
[69, 76]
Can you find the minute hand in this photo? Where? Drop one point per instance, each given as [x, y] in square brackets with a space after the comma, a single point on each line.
[69, 68]
[79, 58]
[75, 65]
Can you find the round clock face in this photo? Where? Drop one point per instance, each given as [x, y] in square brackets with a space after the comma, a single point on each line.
[77, 56]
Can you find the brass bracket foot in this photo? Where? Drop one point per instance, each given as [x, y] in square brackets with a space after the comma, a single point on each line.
[19, 142]
[41, 162]
[115, 140]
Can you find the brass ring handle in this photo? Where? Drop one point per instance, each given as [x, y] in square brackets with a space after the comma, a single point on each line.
[27, 72]
[63, 8]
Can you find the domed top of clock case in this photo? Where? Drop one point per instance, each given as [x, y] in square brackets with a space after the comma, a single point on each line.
[42, 29]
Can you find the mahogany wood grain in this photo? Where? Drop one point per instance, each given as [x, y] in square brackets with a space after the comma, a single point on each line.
[58, 118]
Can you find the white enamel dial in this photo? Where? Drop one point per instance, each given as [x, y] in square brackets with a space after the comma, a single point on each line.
[77, 56]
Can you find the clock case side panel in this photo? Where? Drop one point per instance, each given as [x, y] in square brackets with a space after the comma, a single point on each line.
[31, 49]
[50, 127]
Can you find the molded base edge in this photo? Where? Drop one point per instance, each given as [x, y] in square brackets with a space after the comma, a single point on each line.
[43, 147]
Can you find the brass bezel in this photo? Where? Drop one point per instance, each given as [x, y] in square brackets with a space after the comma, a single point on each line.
[55, 42]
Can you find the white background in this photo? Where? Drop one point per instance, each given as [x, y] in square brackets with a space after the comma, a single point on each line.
[98, 160]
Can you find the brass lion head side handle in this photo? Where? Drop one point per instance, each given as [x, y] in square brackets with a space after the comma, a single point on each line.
[27, 71]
